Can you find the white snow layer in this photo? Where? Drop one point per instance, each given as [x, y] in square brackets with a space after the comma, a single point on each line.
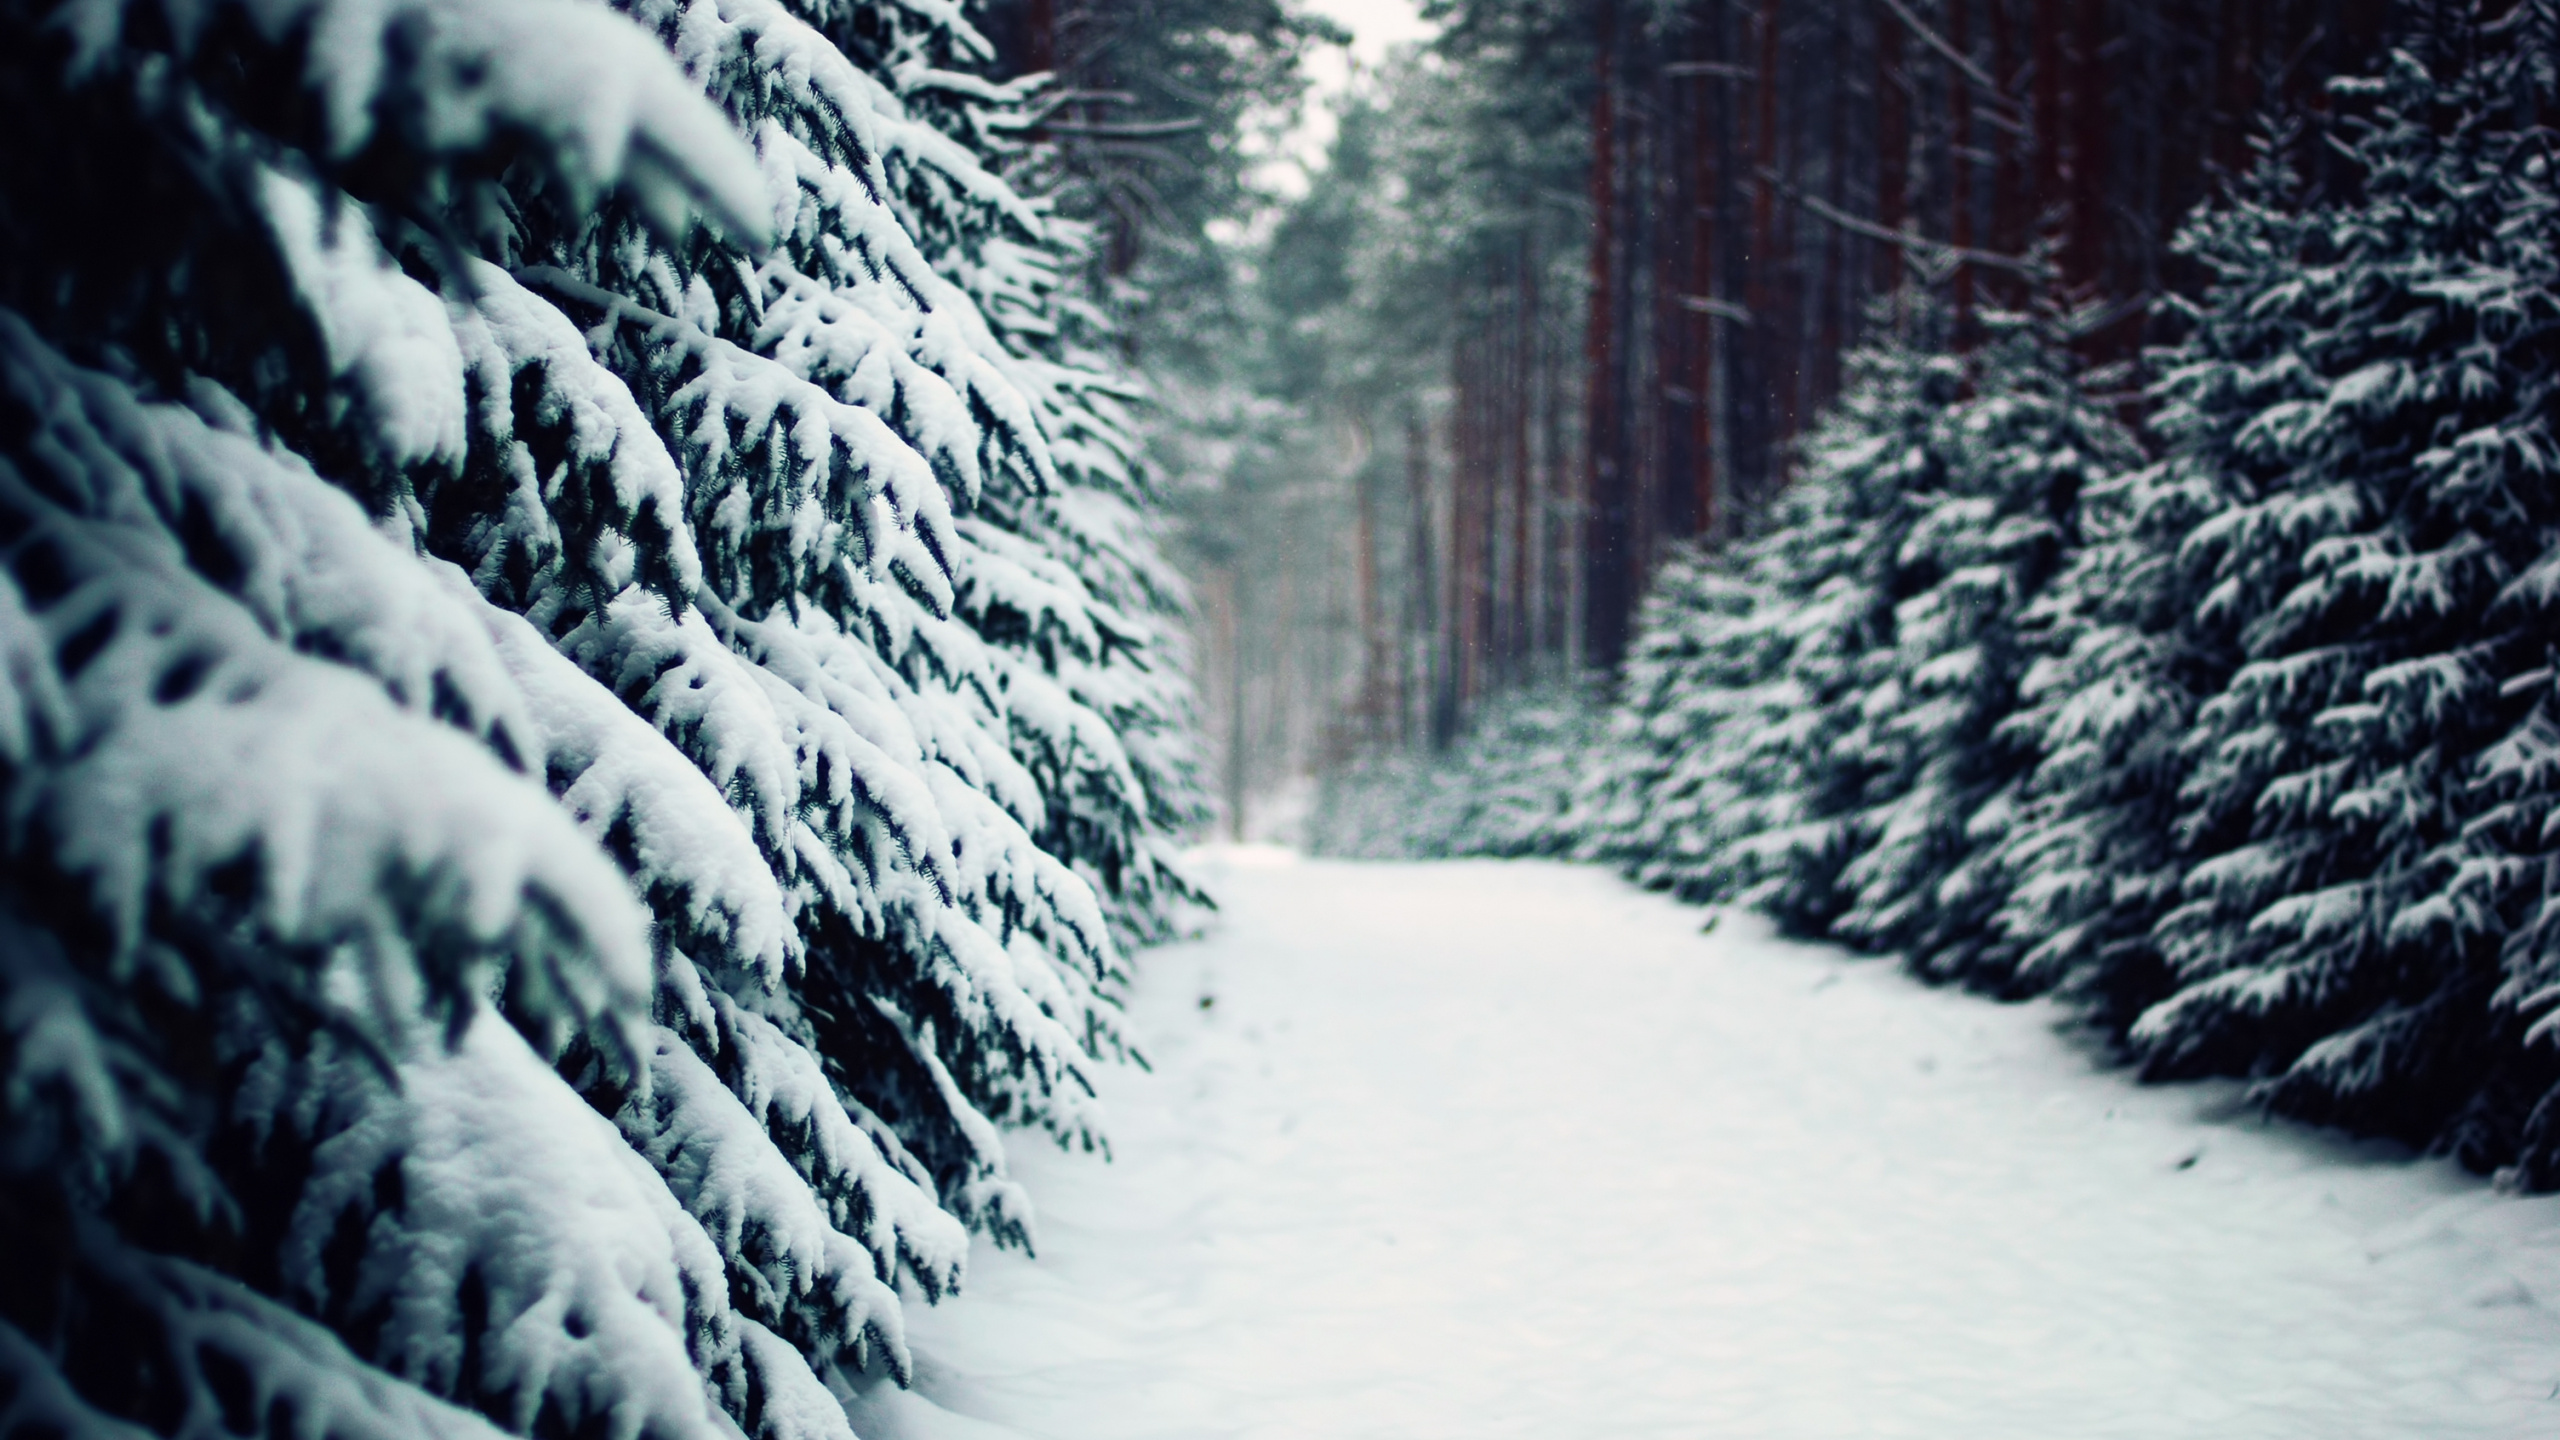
[1509, 1149]
[577, 80]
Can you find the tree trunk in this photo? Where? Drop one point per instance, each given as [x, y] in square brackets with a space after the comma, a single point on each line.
[1606, 590]
[2008, 205]
[1228, 598]
[1422, 621]
[2047, 124]
[1893, 146]
[1773, 324]
[1960, 165]
[2085, 257]
[1042, 36]
[1704, 215]
[1375, 682]
[1524, 334]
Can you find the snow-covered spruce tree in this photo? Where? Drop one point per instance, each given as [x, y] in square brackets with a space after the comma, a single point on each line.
[2510, 867]
[1870, 474]
[1707, 784]
[2387, 476]
[1815, 723]
[1701, 749]
[1746, 738]
[2018, 454]
[1106, 645]
[2088, 856]
[383, 448]
[2012, 459]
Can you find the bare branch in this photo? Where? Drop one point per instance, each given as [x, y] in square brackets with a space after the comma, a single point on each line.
[1980, 77]
[1920, 245]
[1715, 69]
[1720, 309]
[1123, 129]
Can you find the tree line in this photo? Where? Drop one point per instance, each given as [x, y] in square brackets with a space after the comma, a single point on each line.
[2221, 703]
[1584, 272]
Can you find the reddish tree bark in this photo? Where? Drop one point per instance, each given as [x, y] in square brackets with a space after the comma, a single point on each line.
[1377, 685]
[1607, 587]
[1824, 369]
[1679, 281]
[2046, 122]
[2085, 256]
[1041, 27]
[1772, 321]
[1893, 147]
[1960, 163]
[1522, 637]
[1705, 139]
[2008, 205]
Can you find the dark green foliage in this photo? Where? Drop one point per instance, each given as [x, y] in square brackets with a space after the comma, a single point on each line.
[569, 766]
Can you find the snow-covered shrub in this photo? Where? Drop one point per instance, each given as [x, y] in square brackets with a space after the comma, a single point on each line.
[1504, 788]
[1708, 740]
[586, 699]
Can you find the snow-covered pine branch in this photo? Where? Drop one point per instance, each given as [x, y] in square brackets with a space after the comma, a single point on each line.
[454, 600]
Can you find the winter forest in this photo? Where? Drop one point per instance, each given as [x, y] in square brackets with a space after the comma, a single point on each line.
[687, 684]
[2062, 494]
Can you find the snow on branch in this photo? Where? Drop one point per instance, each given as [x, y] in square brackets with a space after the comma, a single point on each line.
[452, 80]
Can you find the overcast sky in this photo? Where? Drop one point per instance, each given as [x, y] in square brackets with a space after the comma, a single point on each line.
[1375, 25]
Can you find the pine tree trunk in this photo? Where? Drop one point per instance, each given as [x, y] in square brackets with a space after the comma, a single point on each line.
[1042, 27]
[1469, 488]
[1606, 589]
[2236, 84]
[1837, 304]
[1960, 164]
[1773, 326]
[2047, 124]
[1226, 596]
[1675, 390]
[1556, 535]
[1523, 639]
[2004, 236]
[1422, 620]
[1893, 147]
[2085, 254]
[1701, 216]
[1375, 682]
[1728, 501]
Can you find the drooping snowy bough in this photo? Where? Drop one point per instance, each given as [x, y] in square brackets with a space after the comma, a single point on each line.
[586, 708]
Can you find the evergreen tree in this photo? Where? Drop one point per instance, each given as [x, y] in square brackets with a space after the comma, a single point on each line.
[1506, 788]
[2128, 646]
[1817, 724]
[1750, 735]
[556, 744]
[1703, 749]
[2377, 498]
[2506, 872]
[1095, 637]
[2014, 457]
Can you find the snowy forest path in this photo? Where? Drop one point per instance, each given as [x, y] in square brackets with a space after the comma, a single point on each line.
[1495, 1149]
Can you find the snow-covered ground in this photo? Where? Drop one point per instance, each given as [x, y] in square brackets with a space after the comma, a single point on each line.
[1486, 1149]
